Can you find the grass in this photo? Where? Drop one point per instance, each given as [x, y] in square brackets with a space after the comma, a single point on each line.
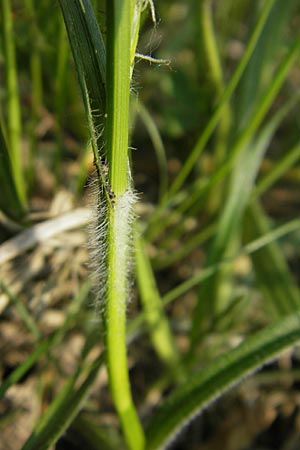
[219, 155]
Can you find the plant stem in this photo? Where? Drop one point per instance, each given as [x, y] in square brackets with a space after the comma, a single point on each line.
[119, 13]
[118, 89]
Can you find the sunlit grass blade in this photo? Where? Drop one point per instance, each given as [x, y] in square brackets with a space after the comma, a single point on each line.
[221, 375]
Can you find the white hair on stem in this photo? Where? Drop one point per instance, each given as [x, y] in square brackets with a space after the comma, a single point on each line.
[112, 219]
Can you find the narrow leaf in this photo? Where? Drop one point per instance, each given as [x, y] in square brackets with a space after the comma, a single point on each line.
[221, 375]
[90, 58]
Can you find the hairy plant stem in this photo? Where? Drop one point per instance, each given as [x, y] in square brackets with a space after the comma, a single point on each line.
[119, 14]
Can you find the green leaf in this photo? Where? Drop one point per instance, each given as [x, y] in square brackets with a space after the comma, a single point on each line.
[10, 202]
[222, 374]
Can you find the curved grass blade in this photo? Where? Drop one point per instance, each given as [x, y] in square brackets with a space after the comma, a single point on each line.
[221, 375]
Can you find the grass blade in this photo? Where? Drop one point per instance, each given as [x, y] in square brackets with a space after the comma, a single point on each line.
[10, 202]
[90, 59]
[13, 103]
[222, 374]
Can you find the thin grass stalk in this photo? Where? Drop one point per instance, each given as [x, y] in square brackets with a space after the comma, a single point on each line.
[13, 101]
[119, 16]
[216, 75]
